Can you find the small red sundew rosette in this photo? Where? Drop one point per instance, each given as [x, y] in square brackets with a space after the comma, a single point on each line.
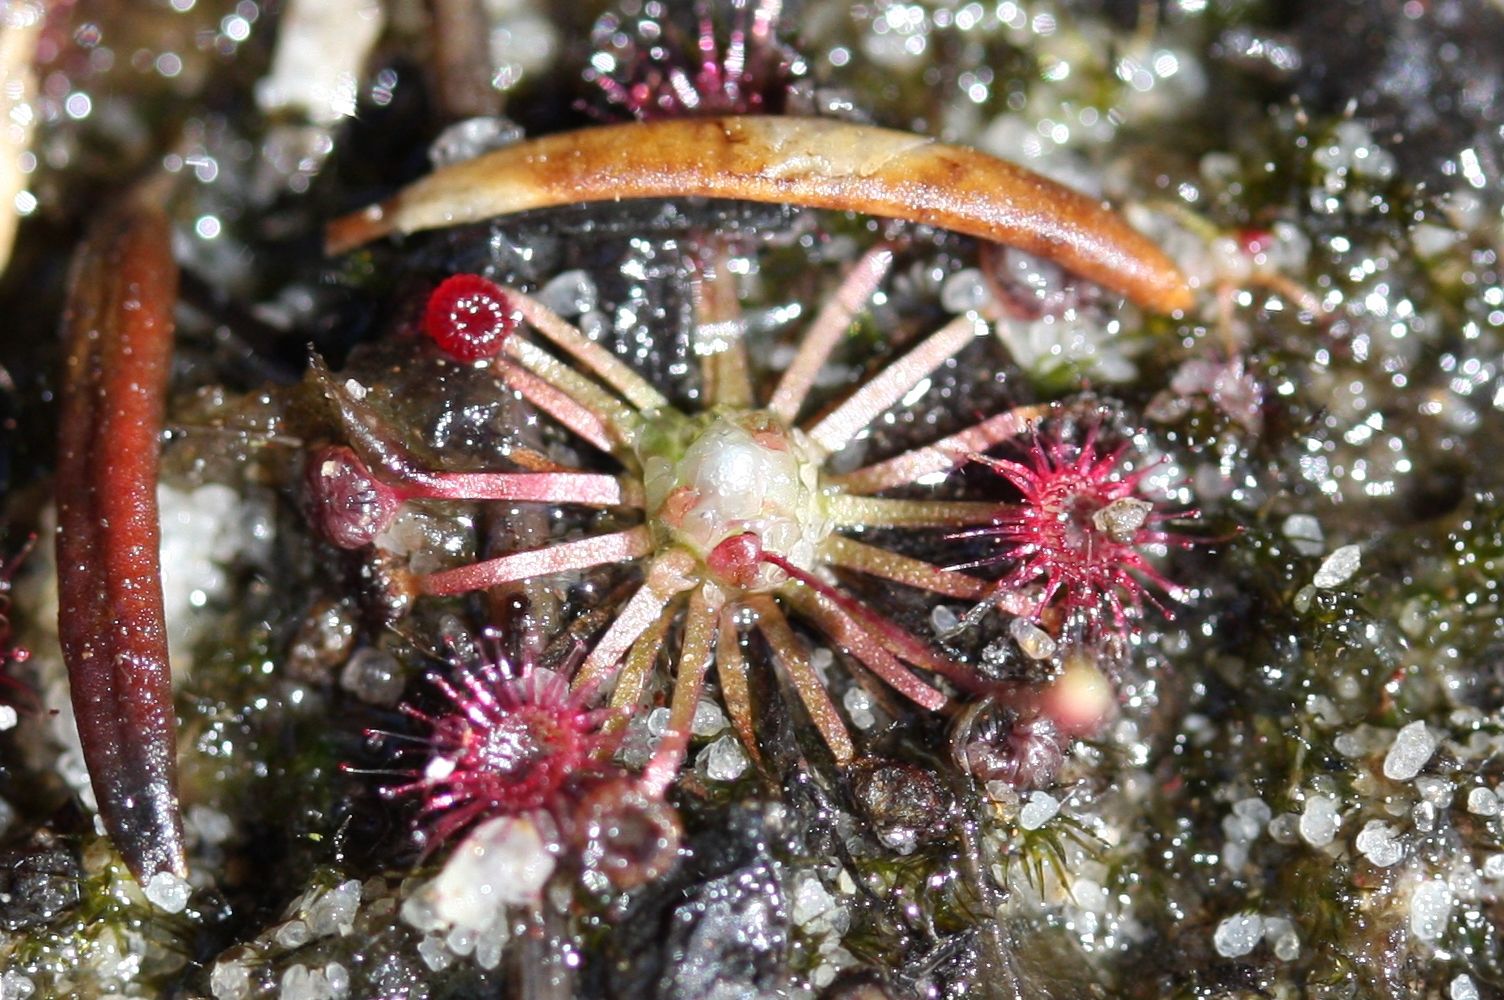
[504, 743]
[1077, 532]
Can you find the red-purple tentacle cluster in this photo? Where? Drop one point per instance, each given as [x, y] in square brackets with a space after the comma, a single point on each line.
[1078, 531]
[504, 744]
[652, 70]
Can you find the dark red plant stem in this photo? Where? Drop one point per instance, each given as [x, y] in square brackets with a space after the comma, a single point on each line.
[117, 331]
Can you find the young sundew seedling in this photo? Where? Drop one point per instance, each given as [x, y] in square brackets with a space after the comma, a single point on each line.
[649, 68]
[743, 518]
[518, 742]
[1077, 534]
[504, 744]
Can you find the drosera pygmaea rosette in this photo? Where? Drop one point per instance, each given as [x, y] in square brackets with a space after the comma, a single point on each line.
[514, 740]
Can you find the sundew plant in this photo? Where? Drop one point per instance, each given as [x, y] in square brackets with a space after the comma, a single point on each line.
[751, 498]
